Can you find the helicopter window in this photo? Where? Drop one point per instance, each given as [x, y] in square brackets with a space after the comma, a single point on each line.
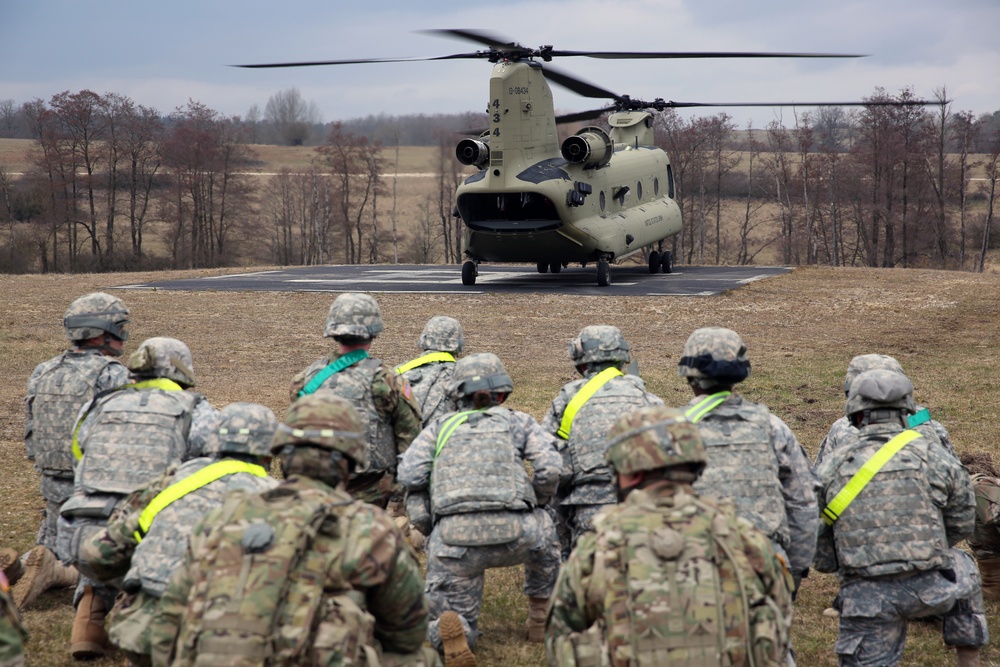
[670, 182]
[603, 200]
[656, 186]
[638, 190]
[508, 211]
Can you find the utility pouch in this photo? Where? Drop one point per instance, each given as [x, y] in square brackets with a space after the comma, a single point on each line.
[479, 529]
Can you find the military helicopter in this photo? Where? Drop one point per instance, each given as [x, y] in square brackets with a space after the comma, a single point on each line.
[598, 197]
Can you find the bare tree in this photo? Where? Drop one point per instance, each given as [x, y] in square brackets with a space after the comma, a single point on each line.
[291, 116]
[992, 167]
[8, 119]
[356, 166]
[964, 130]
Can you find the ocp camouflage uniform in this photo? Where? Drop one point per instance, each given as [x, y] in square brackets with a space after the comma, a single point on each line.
[985, 538]
[12, 632]
[892, 546]
[484, 508]
[429, 375]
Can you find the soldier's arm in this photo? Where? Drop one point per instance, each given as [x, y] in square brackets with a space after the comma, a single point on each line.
[108, 553]
[825, 559]
[394, 399]
[553, 418]
[381, 565]
[165, 627]
[29, 418]
[541, 449]
[568, 608]
[417, 461]
[952, 491]
[798, 487]
[113, 376]
[204, 419]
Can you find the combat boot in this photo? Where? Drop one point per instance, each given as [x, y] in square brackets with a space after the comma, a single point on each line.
[42, 571]
[967, 656]
[456, 647]
[89, 639]
[10, 562]
[537, 608]
[989, 568]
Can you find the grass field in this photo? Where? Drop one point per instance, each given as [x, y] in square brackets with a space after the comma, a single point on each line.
[801, 330]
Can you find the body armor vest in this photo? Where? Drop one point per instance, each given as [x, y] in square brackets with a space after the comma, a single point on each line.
[743, 467]
[985, 538]
[354, 384]
[60, 393]
[161, 551]
[588, 437]
[480, 469]
[135, 436]
[430, 389]
[892, 526]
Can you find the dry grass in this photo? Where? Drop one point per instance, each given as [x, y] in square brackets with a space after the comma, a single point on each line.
[801, 329]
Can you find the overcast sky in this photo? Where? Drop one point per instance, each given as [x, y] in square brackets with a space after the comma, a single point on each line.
[163, 54]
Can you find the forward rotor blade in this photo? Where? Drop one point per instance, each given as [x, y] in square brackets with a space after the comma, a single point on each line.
[640, 55]
[362, 61]
[583, 115]
[578, 85]
[478, 36]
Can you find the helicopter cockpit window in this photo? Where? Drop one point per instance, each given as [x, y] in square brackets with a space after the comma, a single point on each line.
[670, 182]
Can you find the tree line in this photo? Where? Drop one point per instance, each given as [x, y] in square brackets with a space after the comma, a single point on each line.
[872, 186]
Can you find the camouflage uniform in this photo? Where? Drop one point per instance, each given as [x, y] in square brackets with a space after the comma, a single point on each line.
[892, 544]
[127, 439]
[842, 431]
[666, 577]
[600, 352]
[348, 581]
[163, 522]
[485, 510]
[429, 375]
[382, 398]
[985, 538]
[754, 458]
[12, 633]
[59, 388]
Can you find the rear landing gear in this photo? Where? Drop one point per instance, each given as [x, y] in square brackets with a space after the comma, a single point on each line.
[469, 272]
[666, 262]
[543, 267]
[603, 273]
[654, 261]
[555, 267]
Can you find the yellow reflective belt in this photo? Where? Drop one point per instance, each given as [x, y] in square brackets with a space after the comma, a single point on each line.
[861, 478]
[698, 411]
[582, 396]
[191, 483]
[449, 427]
[428, 358]
[154, 383]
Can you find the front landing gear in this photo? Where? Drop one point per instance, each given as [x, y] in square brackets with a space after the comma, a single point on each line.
[469, 272]
[603, 273]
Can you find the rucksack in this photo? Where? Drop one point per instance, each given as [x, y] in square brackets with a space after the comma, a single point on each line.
[264, 595]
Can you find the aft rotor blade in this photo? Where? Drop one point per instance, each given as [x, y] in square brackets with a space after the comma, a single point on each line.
[478, 36]
[873, 103]
[578, 85]
[639, 55]
[583, 115]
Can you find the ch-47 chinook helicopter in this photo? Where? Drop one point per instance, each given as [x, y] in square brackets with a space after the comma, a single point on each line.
[600, 196]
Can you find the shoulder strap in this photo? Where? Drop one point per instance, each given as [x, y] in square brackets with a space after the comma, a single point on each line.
[349, 359]
[189, 484]
[918, 418]
[861, 478]
[428, 358]
[449, 427]
[582, 396]
[699, 410]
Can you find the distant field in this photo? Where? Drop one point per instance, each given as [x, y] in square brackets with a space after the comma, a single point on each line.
[801, 330]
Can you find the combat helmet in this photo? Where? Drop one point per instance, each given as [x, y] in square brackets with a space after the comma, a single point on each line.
[162, 357]
[244, 428]
[597, 343]
[442, 334]
[714, 356]
[869, 362]
[880, 389]
[482, 371]
[94, 314]
[326, 421]
[354, 315]
[654, 437]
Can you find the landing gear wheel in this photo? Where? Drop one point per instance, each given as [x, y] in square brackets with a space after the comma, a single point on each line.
[603, 273]
[469, 273]
[666, 262]
[555, 267]
[654, 262]
[543, 267]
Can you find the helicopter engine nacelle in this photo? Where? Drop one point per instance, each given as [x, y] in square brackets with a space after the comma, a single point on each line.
[472, 152]
[591, 145]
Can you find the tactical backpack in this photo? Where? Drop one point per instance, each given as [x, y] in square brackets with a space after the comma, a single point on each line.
[264, 596]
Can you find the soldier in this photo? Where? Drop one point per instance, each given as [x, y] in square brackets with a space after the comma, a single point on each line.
[985, 538]
[894, 506]
[429, 375]
[301, 574]
[469, 491]
[667, 577]
[753, 457]
[842, 430]
[12, 633]
[581, 415]
[146, 539]
[384, 401]
[57, 390]
[125, 439]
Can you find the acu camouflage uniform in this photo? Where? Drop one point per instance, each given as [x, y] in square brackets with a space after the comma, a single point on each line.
[382, 398]
[667, 578]
[12, 633]
[429, 375]
[300, 574]
[842, 431]
[58, 389]
[892, 547]
[482, 509]
[146, 539]
[590, 487]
